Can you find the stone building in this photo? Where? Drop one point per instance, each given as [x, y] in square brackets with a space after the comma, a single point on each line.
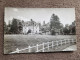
[31, 26]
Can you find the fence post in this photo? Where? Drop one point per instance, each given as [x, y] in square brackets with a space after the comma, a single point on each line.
[72, 40]
[17, 50]
[52, 44]
[29, 48]
[43, 46]
[48, 45]
[37, 48]
[57, 43]
[69, 41]
[65, 41]
[61, 42]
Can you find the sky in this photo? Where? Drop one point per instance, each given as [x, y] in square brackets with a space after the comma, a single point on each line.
[66, 15]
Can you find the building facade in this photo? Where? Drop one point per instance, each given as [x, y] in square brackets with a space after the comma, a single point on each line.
[30, 27]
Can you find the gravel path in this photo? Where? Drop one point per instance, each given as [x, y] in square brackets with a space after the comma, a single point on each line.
[71, 48]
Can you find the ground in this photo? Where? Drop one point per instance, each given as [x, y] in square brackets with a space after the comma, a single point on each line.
[11, 42]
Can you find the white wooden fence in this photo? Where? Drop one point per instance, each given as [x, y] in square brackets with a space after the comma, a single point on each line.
[49, 44]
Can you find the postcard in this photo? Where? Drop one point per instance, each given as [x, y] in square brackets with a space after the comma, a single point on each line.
[34, 30]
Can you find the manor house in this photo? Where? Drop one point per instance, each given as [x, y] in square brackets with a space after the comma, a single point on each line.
[31, 26]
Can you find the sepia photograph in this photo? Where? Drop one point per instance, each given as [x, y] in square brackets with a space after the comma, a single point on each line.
[36, 30]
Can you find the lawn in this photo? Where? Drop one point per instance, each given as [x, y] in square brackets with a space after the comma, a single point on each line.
[11, 42]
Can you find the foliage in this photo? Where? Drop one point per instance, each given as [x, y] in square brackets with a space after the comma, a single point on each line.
[54, 23]
[14, 27]
[5, 28]
[69, 29]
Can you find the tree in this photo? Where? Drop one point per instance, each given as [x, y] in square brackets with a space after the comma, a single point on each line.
[20, 27]
[54, 23]
[72, 28]
[66, 29]
[9, 26]
[5, 28]
[14, 26]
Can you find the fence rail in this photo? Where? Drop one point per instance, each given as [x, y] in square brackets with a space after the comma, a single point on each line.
[48, 44]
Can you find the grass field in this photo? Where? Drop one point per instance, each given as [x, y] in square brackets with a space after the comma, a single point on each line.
[11, 42]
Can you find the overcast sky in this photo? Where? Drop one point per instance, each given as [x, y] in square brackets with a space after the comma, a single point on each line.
[66, 15]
